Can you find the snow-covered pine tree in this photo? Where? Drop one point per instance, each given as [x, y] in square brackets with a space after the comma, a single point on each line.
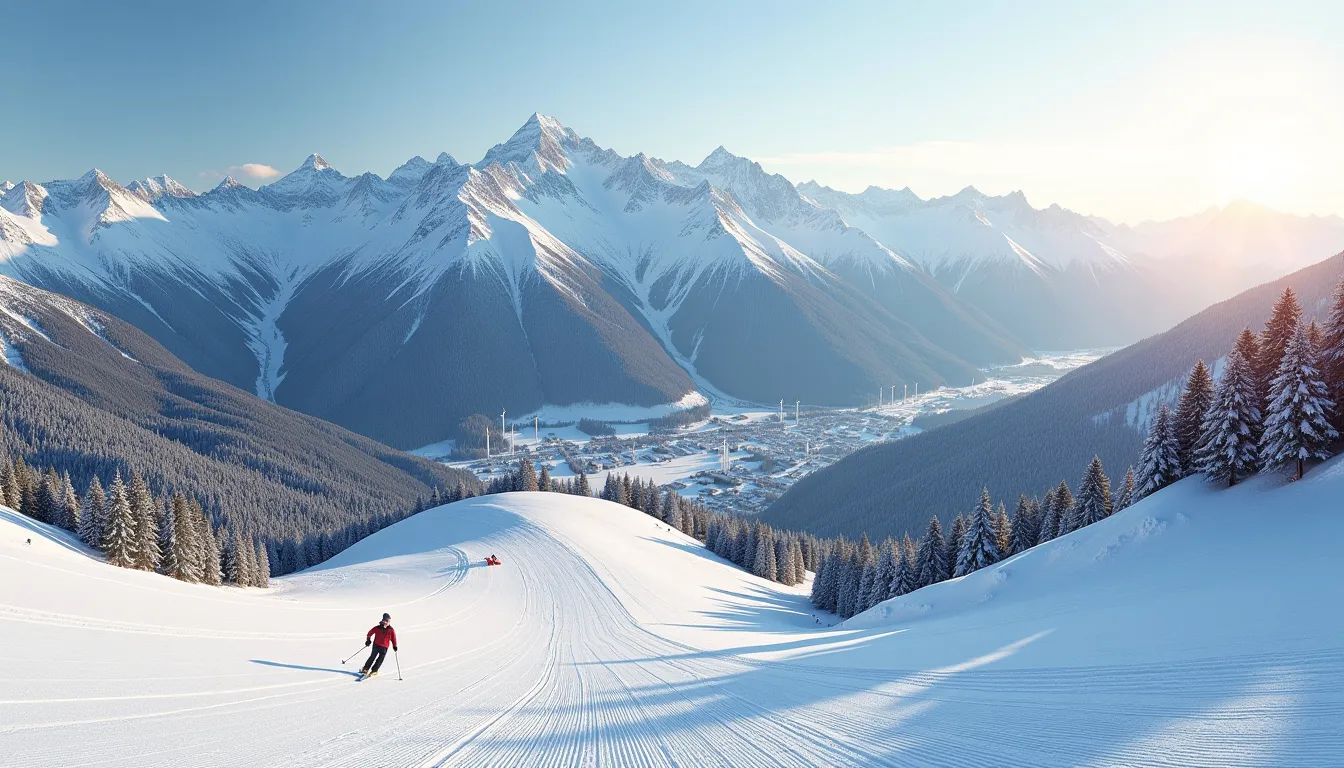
[248, 557]
[9, 488]
[763, 564]
[93, 516]
[527, 475]
[231, 543]
[1274, 339]
[147, 554]
[1064, 507]
[1094, 495]
[211, 561]
[1124, 495]
[931, 561]
[1297, 426]
[1331, 353]
[783, 568]
[543, 479]
[1194, 404]
[796, 560]
[1160, 461]
[70, 511]
[978, 545]
[1049, 526]
[626, 493]
[1003, 531]
[821, 582]
[121, 526]
[186, 552]
[909, 554]
[1025, 526]
[45, 508]
[1229, 448]
[885, 584]
[263, 558]
[955, 535]
[581, 487]
[170, 564]
[863, 600]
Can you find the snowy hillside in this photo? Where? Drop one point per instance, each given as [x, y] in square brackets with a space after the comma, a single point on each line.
[1147, 639]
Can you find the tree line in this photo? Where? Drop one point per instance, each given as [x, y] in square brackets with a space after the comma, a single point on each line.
[1273, 407]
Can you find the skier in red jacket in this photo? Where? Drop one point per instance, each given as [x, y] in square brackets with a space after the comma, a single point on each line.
[381, 636]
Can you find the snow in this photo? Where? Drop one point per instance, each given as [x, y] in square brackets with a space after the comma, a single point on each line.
[1149, 638]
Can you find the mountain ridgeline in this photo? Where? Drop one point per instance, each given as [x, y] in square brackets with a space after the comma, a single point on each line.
[557, 272]
[89, 395]
[1028, 444]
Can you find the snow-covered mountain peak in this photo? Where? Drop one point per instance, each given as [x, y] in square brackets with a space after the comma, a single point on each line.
[228, 182]
[538, 146]
[445, 159]
[5, 186]
[315, 184]
[156, 187]
[409, 172]
[24, 200]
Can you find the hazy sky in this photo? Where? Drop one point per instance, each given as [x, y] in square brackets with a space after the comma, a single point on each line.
[1126, 110]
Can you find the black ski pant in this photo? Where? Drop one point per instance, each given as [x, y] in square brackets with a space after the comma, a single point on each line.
[376, 658]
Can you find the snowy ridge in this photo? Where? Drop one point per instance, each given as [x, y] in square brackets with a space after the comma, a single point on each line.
[605, 636]
[1139, 412]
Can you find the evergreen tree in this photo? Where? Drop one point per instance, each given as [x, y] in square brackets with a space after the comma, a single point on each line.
[1160, 461]
[70, 510]
[45, 507]
[763, 564]
[623, 494]
[543, 480]
[955, 536]
[208, 554]
[1094, 495]
[10, 490]
[906, 579]
[1124, 495]
[796, 557]
[1190, 412]
[263, 558]
[460, 492]
[1064, 507]
[867, 578]
[849, 584]
[1229, 447]
[247, 560]
[1003, 531]
[232, 566]
[1297, 425]
[527, 474]
[93, 517]
[978, 545]
[170, 564]
[930, 561]
[821, 584]
[121, 539]
[1331, 353]
[1025, 526]
[182, 558]
[885, 582]
[1283, 322]
[1248, 346]
[783, 568]
[581, 486]
[147, 554]
[1049, 526]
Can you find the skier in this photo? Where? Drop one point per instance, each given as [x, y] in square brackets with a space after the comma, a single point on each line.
[492, 560]
[379, 637]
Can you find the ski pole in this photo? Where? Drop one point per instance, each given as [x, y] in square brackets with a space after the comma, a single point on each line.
[397, 656]
[353, 655]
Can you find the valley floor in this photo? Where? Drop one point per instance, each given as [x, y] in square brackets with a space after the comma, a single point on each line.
[607, 639]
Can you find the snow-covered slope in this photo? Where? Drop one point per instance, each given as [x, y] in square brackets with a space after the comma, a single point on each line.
[1149, 639]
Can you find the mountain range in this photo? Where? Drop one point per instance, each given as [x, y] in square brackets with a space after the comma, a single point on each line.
[556, 272]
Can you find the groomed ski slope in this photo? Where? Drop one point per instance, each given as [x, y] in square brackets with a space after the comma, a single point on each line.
[1199, 627]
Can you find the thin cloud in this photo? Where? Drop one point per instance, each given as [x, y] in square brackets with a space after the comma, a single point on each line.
[258, 171]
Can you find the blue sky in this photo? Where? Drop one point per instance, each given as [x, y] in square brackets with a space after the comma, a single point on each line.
[1147, 110]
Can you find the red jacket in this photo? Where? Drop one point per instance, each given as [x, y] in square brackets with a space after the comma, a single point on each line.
[382, 636]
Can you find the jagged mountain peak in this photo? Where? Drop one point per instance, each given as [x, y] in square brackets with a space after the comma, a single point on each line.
[316, 162]
[315, 184]
[156, 187]
[445, 159]
[538, 146]
[24, 200]
[5, 186]
[228, 182]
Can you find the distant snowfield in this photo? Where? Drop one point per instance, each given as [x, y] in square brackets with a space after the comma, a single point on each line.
[1199, 627]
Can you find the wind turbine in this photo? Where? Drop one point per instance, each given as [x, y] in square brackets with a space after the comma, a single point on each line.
[502, 429]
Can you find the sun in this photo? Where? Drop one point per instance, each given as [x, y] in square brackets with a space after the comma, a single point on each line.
[1263, 171]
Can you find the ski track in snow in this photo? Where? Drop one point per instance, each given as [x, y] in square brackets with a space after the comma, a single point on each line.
[604, 639]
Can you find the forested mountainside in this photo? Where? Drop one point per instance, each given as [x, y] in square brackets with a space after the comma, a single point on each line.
[85, 393]
[1028, 445]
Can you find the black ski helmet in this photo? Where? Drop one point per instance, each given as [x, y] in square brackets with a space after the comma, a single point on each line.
[387, 617]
